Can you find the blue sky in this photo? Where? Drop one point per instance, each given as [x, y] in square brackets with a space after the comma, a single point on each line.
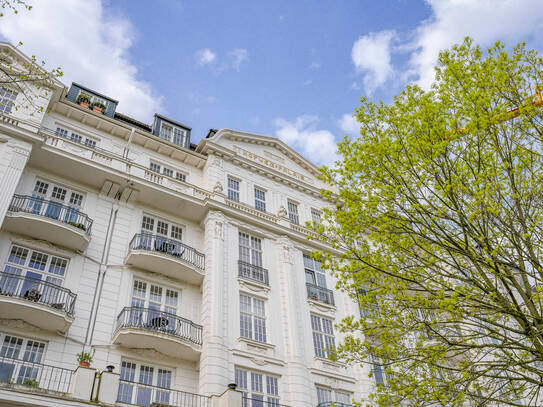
[290, 69]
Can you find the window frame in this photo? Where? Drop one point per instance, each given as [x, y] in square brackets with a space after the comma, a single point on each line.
[76, 136]
[162, 393]
[231, 193]
[260, 202]
[293, 211]
[244, 378]
[155, 231]
[181, 134]
[251, 320]
[21, 372]
[163, 169]
[322, 336]
[146, 300]
[7, 107]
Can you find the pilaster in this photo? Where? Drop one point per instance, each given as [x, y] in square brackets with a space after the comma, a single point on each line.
[214, 361]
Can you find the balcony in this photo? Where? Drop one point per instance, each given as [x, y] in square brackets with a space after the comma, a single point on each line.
[271, 402]
[333, 404]
[132, 393]
[26, 376]
[37, 302]
[167, 333]
[48, 220]
[166, 256]
[320, 294]
[253, 273]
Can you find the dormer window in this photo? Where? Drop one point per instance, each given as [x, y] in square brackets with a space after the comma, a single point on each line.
[172, 134]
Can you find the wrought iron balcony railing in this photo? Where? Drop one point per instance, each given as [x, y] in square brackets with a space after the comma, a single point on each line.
[252, 272]
[35, 375]
[320, 294]
[149, 319]
[161, 244]
[146, 395]
[42, 292]
[333, 404]
[51, 209]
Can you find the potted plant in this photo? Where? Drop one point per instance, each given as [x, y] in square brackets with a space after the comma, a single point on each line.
[98, 107]
[85, 358]
[31, 382]
[84, 100]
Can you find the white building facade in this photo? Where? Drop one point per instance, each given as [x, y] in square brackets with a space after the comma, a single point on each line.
[182, 268]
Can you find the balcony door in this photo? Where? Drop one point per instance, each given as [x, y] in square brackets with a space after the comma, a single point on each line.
[25, 271]
[63, 204]
[162, 236]
[314, 274]
[20, 360]
[157, 306]
[142, 384]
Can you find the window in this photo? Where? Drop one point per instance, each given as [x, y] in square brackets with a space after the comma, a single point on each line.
[250, 249]
[7, 99]
[34, 266]
[22, 349]
[314, 274]
[169, 172]
[379, 371]
[93, 98]
[323, 336]
[172, 134]
[233, 189]
[315, 216]
[58, 196]
[136, 381]
[76, 138]
[367, 312]
[258, 389]
[155, 297]
[293, 212]
[152, 225]
[340, 398]
[260, 199]
[252, 318]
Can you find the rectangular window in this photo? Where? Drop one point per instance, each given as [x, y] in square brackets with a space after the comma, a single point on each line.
[233, 189]
[260, 199]
[136, 381]
[169, 172]
[293, 212]
[258, 389]
[61, 132]
[379, 371]
[250, 249]
[325, 395]
[35, 266]
[152, 225]
[57, 195]
[22, 349]
[7, 99]
[314, 274]
[75, 137]
[323, 336]
[315, 216]
[180, 176]
[252, 319]
[172, 134]
[154, 167]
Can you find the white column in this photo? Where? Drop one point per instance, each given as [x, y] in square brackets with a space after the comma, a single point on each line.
[13, 158]
[214, 362]
[292, 322]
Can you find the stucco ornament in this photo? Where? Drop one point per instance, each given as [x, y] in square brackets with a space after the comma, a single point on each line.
[218, 188]
[282, 212]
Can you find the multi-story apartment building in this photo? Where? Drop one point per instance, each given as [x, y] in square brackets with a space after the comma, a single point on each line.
[181, 267]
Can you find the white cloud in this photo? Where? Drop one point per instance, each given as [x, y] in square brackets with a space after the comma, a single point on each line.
[205, 57]
[90, 46]
[319, 146]
[371, 57]
[348, 124]
[238, 56]
[315, 65]
[486, 21]
[233, 60]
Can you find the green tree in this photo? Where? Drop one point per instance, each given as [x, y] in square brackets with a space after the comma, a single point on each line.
[440, 221]
[28, 79]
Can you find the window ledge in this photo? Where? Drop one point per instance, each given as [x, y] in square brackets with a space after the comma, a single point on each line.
[256, 344]
[329, 364]
[321, 306]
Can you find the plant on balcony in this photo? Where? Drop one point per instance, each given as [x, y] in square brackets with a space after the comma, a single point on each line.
[85, 358]
[31, 382]
[84, 100]
[98, 107]
[78, 225]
